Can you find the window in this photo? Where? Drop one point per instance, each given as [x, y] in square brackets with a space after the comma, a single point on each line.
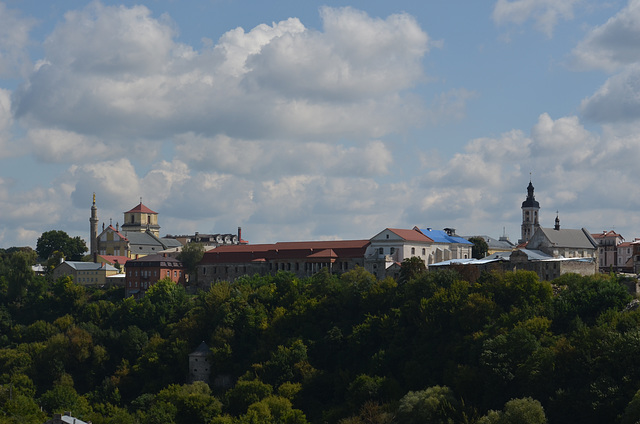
[381, 251]
[424, 251]
[175, 274]
[392, 250]
[413, 250]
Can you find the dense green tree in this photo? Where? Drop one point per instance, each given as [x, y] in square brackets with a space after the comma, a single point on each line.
[480, 247]
[411, 268]
[72, 248]
[190, 256]
[517, 411]
[21, 275]
[433, 405]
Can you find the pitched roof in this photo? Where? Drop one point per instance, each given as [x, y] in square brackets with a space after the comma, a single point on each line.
[141, 209]
[88, 266]
[239, 253]
[201, 350]
[569, 238]
[156, 260]
[411, 235]
[440, 236]
[606, 234]
[112, 259]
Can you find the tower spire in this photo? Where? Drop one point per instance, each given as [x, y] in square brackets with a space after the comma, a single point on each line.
[93, 230]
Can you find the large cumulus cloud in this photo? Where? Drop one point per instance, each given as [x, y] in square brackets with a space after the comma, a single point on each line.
[118, 72]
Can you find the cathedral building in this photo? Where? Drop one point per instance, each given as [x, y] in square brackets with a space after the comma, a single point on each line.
[138, 236]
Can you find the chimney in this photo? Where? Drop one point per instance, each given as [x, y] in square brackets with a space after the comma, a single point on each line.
[239, 234]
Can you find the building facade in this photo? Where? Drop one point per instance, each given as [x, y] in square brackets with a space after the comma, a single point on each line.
[230, 262]
[608, 242]
[144, 272]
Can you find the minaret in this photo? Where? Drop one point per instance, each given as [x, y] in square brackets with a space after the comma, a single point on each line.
[93, 244]
[530, 209]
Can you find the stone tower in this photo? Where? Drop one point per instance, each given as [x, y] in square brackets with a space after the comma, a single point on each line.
[93, 230]
[199, 364]
[530, 209]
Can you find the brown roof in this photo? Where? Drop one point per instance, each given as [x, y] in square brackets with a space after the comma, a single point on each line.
[142, 209]
[286, 251]
[411, 235]
[113, 259]
[156, 260]
[605, 234]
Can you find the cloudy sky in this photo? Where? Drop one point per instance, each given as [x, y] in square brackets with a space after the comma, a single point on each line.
[308, 120]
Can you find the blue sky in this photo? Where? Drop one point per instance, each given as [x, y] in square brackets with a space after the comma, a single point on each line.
[301, 120]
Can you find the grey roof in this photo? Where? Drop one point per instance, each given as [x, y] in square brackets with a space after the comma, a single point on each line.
[169, 242]
[536, 255]
[89, 266]
[495, 244]
[201, 350]
[144, 239]
[580, 239]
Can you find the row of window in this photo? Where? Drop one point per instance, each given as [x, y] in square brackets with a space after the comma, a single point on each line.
[145, 273]
[392, 250]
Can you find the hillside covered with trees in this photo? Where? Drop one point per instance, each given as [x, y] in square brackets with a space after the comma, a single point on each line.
[430, 348]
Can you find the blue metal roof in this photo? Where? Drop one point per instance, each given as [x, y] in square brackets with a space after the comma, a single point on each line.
[440, 236]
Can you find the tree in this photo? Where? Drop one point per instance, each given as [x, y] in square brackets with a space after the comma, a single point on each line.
[71, 247]
[410, 268]
[190, 256]
[480, 247]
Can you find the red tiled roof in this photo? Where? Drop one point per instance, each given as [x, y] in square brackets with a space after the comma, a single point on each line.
[286, 250]
[605, 234]
[113, 259]
[410, 235]
[142, 209]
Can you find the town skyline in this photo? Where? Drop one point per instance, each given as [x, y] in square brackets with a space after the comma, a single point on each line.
[318, 121]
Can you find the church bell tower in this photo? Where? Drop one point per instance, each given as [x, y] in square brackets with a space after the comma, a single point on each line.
[530, 209]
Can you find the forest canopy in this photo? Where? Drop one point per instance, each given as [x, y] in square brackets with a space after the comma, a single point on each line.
[431, 347]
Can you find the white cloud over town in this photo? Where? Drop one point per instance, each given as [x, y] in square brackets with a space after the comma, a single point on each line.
[300, 132]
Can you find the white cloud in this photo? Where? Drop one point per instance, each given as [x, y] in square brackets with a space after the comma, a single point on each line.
[14, 38]
[256, 159]
[545, 13]
[117, 73]
[617, 101]
[614, 44]
[51, 145]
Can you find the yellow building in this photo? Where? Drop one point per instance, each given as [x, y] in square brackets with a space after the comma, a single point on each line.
[85, 273]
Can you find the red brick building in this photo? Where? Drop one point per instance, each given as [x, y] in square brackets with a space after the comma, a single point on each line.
[302, 258]
[144, 272]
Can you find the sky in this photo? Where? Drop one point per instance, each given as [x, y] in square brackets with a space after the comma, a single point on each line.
[319, 120]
